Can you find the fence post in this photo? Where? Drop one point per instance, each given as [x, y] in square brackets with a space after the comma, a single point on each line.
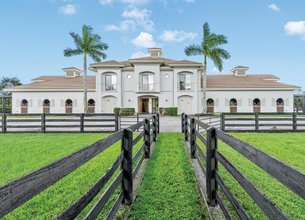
[211, 166]
[256, 122]
[222, 121]
[154, 128]
[182, 122]
[4, 121]
[127, 182]
[193, 138]
[147, 138]
[82, 117]
[116, 121]
[294, 121]
[158, 123]
[43, 123]
[186, 128]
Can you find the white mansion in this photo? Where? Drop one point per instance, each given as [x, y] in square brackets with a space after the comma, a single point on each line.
[151, 82]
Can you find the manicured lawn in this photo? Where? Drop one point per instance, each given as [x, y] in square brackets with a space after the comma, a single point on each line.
[168, 190]
[23, 153]
[287, 147]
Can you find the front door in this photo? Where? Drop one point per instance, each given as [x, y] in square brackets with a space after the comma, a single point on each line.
[145, 105]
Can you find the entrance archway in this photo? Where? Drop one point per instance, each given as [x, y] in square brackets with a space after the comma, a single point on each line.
[69, 106]
[280, 105]
[256, 105]
[148, 104]
[91, 106]
[24, 106]
[210, 106]
[46, 106]
[233, 105]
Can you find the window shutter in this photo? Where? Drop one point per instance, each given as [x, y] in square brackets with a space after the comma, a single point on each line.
[62, 103]
[216, 103]
[18, 103]
[30, 103]
[263, 102]
[250, 102]
[286, 102]
[53, 102]
[75, 103]
[227, 102]
[239, 102]
[39, 103]
[273, 102]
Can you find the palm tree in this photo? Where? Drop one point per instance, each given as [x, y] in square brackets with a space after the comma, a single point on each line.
[88, 44]
[7, 82]
[209, 48]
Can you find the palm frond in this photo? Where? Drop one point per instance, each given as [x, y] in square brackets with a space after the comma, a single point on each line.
[222, 53]
[206, 30]
[97, 53]
[100, 46]
[77, 39]
[72, 52]
[193, 50]
[217, 60]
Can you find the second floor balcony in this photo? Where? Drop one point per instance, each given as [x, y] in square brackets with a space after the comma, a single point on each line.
[149, 87]
[182, 86]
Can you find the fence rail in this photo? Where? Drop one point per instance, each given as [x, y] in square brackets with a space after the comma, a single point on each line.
[209, 158]
[262, 122]
[19, 191]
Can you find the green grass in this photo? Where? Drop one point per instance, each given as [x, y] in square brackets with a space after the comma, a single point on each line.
[287, 147]
[23, 153]
[168, 190]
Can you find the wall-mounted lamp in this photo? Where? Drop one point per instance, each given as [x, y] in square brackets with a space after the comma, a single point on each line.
[166, 100]
[129, 100]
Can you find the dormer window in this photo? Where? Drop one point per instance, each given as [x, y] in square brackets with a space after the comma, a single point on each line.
[72, 72]
[239, 70]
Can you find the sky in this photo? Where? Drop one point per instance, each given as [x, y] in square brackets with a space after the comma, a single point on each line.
[267, 36]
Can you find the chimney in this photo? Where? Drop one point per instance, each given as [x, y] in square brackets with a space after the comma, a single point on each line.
[155, 52]
[72, 72]
[239, 70]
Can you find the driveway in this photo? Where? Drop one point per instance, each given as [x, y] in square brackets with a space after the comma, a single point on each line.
[170, 123]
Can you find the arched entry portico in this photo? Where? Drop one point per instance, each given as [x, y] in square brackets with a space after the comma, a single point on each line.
[148, 104]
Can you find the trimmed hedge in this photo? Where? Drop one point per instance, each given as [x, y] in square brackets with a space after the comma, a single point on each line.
[124, 111]
[172, 111]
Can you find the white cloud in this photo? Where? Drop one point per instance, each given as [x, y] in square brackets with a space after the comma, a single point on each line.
[68, 9]
[215, 70]
[135, 2]
[295, 28]
[133, 18]
[106, 2]
[274, 7]
[189, 1]
[177, 36]
[144, 40]
[139, 54]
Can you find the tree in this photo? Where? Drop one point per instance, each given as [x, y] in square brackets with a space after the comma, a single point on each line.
[89, 44]
[8, 82]
[209, 48]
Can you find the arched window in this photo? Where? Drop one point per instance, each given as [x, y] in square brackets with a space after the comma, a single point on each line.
[256, 105]
[91, 106]
[233, 105]
[210, 105]
[46, 106]
[184, 81]
[280, 105]
[24, 106]
[69, 106]
[110, 82]
[147, 83]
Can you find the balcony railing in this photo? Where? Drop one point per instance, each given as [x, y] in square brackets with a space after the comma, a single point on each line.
[185, 86]
[148, 87]
[110, 87]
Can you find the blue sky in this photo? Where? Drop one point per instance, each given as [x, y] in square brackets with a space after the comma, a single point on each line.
[268, 36]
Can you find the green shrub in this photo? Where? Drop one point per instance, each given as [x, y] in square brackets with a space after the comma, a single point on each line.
[172, 111]
[127, 111]
[116, 110]
[161, 110]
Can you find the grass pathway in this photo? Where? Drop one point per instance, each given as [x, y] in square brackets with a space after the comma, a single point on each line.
[168, 190]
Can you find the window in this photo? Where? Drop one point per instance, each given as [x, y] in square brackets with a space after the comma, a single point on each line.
[147, 82]
[184, 82]
[110, 82]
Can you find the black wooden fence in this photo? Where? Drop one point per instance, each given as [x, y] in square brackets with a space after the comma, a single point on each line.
[19, 191]
[262, 122]
[208, 160]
